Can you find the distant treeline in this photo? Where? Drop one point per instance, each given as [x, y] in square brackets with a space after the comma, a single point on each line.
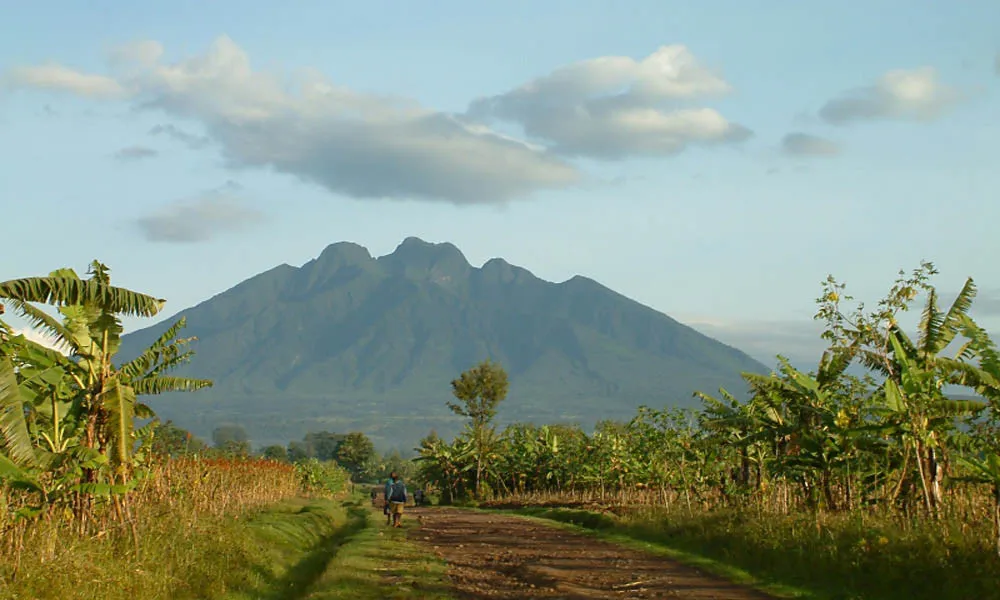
[354, 451]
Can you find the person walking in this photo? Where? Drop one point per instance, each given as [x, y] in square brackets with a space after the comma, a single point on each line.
[385, 499]
[397, 499]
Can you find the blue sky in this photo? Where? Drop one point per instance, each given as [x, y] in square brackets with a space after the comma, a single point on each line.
[714, 160]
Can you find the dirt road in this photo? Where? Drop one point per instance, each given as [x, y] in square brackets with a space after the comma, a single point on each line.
[504, 556]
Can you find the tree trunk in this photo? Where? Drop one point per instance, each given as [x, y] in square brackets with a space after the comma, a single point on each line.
[923, 478]
[831, 501]
[479, 473]
[936, 473]
[744, 467]
[903, 474]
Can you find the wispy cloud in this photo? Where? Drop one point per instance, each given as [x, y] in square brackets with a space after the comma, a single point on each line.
[798, 340]
[803, 144]
[195, 142]
[134, 153]
[59, 78]
[201, 218]
[915, 94]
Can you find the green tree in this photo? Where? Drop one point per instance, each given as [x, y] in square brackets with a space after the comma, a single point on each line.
[171, 440]
[355, 453]
[275, 452]
[915, 371]
[394, 461]
[225, 435]
[235, 448]
[298, 451]
[479, 391]
[323, 445]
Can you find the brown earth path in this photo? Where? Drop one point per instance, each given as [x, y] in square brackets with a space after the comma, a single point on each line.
[493, 555]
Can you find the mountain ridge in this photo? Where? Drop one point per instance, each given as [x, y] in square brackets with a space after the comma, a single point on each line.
[353, 341]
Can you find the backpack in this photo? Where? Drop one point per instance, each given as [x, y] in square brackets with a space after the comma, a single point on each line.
[397, 492]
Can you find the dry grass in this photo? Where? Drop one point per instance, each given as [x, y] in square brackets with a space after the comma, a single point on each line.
[184, 510]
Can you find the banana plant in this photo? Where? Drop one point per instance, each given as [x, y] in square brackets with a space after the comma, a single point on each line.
[82, 399]
[915, 398]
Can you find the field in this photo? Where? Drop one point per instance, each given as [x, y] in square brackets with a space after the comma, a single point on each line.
[818, 485]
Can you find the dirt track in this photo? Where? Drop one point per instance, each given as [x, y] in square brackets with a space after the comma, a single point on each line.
[504, 556]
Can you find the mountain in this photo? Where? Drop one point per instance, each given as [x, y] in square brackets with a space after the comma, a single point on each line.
[348, 341]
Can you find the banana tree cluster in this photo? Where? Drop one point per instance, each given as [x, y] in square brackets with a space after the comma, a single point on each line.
[824, 440]
[68, 411]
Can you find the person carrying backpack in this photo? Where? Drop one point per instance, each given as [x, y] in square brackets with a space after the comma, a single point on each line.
[396, 496]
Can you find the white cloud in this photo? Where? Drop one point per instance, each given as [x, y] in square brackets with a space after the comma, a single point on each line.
[616, 106]
[201, 218]
[58, 78]
[914, 94]
[804, 144]
[41, 338]
[361, 145]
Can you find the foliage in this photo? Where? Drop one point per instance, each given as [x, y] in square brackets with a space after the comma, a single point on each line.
[355, 453]
[823, 442]
[169, 440]
[479, 391]
[224, 435]
[67, 415]
[275, 452]
[322, 477]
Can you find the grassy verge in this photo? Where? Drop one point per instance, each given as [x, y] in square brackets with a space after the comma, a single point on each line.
[380, 562]
[833, 559]
[299, 548]
[210, 557]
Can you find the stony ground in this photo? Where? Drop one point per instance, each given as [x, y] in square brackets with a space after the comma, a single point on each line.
[504, 556]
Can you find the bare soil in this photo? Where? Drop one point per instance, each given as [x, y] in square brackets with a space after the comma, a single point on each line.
[505, 556]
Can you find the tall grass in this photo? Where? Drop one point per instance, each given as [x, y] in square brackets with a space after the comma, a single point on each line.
[183, 527]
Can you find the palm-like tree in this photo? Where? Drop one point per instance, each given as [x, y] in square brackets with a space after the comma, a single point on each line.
[82, 390]
[916, 373]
